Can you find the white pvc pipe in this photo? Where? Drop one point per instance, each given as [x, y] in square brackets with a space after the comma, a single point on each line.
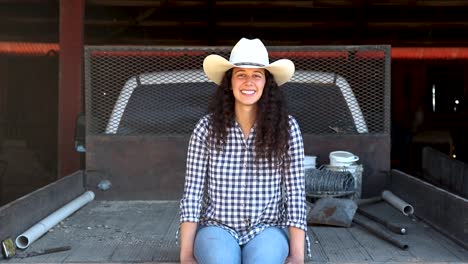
[401, 205]
[36, 231]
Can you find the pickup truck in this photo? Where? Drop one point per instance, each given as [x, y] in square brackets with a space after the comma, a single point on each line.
[141, 106]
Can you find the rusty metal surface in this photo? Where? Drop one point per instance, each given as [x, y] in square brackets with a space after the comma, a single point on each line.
[138, 167]
[332, 211]
[153, 167]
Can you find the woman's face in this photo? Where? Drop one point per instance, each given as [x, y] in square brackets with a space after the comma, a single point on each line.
[247, 85]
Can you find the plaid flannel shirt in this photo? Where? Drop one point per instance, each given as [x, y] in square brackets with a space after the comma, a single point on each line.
[241, 195]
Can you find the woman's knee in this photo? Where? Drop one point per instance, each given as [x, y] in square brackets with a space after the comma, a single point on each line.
[270, 246]
[215, 245]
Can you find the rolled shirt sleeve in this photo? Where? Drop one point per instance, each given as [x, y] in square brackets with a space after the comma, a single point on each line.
[197, 162]
[295, 179]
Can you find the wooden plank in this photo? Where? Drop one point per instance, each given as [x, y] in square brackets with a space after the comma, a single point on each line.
[93, 250]
[138, 225]
[71, 37]
[378, 249]
[168, 249]
[340, 245]
[17, 216]
[426, 248]
[317, 251]
[448, 244]
[144, 232]
[152, 233]
[135, 251]
[443, 210]
[112, 231]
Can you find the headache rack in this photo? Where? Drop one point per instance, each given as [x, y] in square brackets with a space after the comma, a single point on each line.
[143, 103]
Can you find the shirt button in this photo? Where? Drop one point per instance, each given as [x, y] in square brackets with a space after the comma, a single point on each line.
[245, 165]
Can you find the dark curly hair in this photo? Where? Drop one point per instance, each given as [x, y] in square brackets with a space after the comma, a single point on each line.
[272, 135]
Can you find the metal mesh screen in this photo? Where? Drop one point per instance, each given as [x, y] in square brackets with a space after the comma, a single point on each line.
[163, 90]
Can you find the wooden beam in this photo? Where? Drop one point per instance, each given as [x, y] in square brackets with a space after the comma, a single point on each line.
[442, 3]
[281, 24]
[267, 4]
[136, 3]
[146, 3]
[148, 23]
[418, 24]
[22, 2]
[70, 83]
[284, 25]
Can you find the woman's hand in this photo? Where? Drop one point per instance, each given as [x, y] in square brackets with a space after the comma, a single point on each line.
[296, 246]
[188, 260]
[187, 236]
[294, 260]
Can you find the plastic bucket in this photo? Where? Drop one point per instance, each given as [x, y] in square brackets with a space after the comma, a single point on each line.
[350, 168]
[309, 162]
[342, 158]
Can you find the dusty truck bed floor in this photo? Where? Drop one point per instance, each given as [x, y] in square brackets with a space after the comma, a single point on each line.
[144, 232]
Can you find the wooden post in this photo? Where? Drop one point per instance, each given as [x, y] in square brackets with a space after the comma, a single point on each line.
[70, 82]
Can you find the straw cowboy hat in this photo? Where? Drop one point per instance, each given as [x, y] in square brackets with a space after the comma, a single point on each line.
[248, 53]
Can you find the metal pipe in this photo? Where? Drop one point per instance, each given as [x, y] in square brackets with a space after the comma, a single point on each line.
[394, 200]
[391, 226]
[367, 224]
[36, 231]
[370, 200]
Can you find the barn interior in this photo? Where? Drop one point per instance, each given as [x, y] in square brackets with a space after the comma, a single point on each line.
[429, 69]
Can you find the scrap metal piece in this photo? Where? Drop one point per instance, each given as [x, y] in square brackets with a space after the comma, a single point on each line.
[8, 248]
[43, 252]
[333, 211]
[104, 185]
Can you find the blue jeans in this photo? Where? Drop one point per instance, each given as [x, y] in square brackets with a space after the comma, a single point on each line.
[214, 245]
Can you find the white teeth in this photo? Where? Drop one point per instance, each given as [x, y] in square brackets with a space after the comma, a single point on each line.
[247, 92]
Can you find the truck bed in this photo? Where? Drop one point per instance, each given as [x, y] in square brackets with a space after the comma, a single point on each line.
[144, 232]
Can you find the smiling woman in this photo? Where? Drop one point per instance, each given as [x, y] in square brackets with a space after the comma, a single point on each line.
[243, 158]
[247, 87]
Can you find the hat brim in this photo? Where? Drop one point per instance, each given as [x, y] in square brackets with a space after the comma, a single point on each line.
[216, 66]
